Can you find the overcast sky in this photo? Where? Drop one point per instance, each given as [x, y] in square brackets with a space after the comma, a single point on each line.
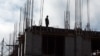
[10, 14]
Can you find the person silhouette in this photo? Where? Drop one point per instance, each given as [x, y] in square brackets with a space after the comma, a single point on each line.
[47, 21]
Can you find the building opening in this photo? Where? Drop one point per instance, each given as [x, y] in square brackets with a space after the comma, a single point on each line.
[95, 43]
[53, 45]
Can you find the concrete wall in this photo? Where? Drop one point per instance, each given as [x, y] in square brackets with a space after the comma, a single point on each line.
[69, 46]
[33, 44]
[73, 45]
[77, 46]
[87, 47]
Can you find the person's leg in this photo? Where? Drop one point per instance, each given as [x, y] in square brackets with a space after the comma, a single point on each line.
[46, 25]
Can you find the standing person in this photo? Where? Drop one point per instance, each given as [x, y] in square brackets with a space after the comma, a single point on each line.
[47, 21]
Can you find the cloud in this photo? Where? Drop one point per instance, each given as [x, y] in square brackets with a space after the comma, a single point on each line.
[5, 29]
[9, 15]
[94, 14]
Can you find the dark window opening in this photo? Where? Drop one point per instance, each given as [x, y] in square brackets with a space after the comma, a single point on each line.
[53, 45]
[95, 43]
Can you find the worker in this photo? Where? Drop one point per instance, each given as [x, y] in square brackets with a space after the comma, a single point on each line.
[47, 21]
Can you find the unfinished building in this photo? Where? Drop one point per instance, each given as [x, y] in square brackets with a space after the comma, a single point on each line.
[49, 41]
[42, 41]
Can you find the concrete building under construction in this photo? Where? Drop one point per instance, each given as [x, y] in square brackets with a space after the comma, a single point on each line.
[43, 41]
[50, 41]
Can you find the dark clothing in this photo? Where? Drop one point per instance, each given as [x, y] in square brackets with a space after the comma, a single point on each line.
[47, 21]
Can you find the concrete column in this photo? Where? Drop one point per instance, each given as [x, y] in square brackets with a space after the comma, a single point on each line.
[19, 50]
[79, 46]
[87, 47]
[69, 46]
[28, 44]
[83, 46]
[33, 44]
[37, 45]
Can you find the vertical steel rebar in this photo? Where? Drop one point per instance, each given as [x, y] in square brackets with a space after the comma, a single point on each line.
[2, 48]
[32, 13]
[88, 18]
[78, 22]
[67, 16]
[41, 12]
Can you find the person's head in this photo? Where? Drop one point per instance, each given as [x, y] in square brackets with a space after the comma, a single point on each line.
[47, 16]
